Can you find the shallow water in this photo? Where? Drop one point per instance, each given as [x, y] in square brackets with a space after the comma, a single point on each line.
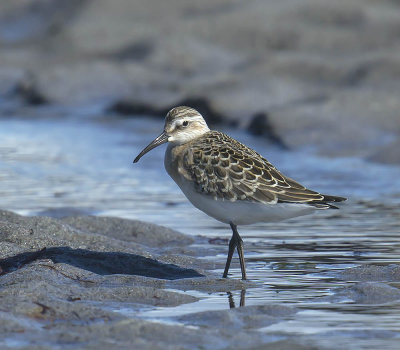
[57, 165]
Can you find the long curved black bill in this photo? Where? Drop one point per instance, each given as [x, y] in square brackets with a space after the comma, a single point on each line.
[163, 138]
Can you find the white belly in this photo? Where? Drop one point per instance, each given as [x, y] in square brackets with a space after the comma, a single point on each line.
[244, 212]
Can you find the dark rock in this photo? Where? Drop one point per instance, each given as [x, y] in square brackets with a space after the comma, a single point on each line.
[129, 107]
[260, 125]
[137, 51]
[27, 90]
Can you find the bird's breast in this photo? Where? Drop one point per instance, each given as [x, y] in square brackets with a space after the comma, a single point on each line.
[173, 163]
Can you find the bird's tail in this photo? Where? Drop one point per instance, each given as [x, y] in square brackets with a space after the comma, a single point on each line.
[335, 199]
[325, 203]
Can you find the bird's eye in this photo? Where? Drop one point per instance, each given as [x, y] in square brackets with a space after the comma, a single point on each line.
[185, 123]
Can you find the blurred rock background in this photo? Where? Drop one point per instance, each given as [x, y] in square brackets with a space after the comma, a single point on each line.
[310, 73]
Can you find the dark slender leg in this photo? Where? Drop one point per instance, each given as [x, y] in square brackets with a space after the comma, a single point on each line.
[232, 246]
[240, 251]
[235, 242]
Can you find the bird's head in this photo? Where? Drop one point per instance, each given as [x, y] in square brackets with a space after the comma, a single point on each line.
[182, 124]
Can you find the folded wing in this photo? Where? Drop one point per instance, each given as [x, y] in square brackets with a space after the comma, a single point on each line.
[228, 170]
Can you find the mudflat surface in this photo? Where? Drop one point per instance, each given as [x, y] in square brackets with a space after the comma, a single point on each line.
[64, 282]
[91, 282]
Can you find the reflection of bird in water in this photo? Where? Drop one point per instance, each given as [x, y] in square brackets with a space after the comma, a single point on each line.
[242, 299]
[228, 180]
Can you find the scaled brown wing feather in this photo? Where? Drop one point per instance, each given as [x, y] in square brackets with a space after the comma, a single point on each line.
[226, 169]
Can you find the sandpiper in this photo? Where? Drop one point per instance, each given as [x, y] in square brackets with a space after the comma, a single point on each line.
[228, 180]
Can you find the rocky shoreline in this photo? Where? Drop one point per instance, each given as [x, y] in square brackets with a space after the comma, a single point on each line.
[63, 282]
[323, 75]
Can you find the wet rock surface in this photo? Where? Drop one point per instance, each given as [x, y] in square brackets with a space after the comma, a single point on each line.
[53, 292]
[367, 293]
[84, 281]
[374, 284]
[372, 273]
[326, 74]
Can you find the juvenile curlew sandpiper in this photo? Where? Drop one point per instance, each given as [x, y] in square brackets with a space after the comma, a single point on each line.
[228, 180]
